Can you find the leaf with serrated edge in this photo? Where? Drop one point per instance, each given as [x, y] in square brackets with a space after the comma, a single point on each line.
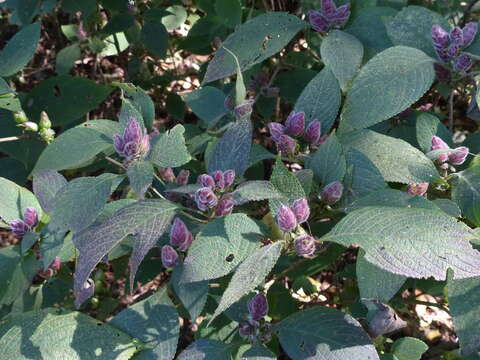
[418, 243]
[169, 149]
[146, 219]
[255, 191]
[46, 184]
[207, 349]
[249, 275]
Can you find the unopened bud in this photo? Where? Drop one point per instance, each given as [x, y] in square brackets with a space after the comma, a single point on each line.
[48, 135]
[258, 307]
[180, 237]
[286, 219]
[439, 144]
[417, 189]
[286, 145]
[169, 256]
[166, 174]
[469, 33]
[44, 122]
[20, 117]
[206, 181]
[19, 228]
[301, 210]
[295, 124]
[225, 207]
[30, 126]
[313, 132]
[440, 37]
[229, 178]
[305, 245]
[182, 178]
[276, 130]
[332, 193]
[219, 180]
[458, 156]
[463, 63]
[205, 198]
[30, 217]
[456, 36]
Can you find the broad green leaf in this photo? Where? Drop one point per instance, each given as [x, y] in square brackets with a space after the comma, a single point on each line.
[376, 283]
[232, 151]
[464, 304]
[80, 94]
[287, 184]
[118, 23]
[258, 352]
[324, 333]
[220, 247]
[176, 17]
[328, 162]
[409, 348]
[413, 242]
[19, 50]
[255, 191]
[427, 126]
[15, 200]
[207, 103]
[396, 160]
[53, 241]
[12, 278]
[169, 149]
[46, 184]
[249, 274]
[66, 59]
[58, 334]
[206, 349]
[154, 321]
[13, 170]
[413, 27]
[466, 193]
[388, 84]
[146, 219]
[320, 99]
[140, 176]
[155, 38]
[253, 42]
[449, 207]
[230, 11]
[343, 53]
[78, 203]
[140, 100]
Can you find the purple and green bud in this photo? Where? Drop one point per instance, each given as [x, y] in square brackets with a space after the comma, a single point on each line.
[229, 178]
[52, 268]
[328, 7]
[301, 210]
[205, 198]
[463, 63]
[169, 257]
[182, 177]
[295, 124]
[257, 307]
[20, 117]
[286, 219]
[469, 32]
[246, 330]
[225, 206]
[332, 193]
[286, 145]
[244, 109]
[419, 189]
[276, 130]
[340, 18]
[440, 37]
[458, 156]
[313, 133]
[439, 144]
[206, 181]
[166, 174]
[456, 36]
[318, 22]
[305, 245]
[30, 217]
[180, 237]
[30, 126]
[329, 17]
[30, 221]
[44, 122]
[134, 143]
[219, 180]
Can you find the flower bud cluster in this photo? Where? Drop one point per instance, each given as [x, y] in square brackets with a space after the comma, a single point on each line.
[167, 175]
[30, 221]
[419, 189]
[181, 239]
[52, 268]
[332, 193]
[255, 328]
[289, 217]
[456, 157]
[211, 195]
[134, 143]
[449, 46]
[329, 17]
[43, 128]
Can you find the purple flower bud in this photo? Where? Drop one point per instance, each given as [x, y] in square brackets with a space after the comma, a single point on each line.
[332, 193]
[246, 330]
[166, 174]
[439, 144]
[205, 198]
[463, 63]
[182, 178]
[229, 177]
[206, 181]
[313, 132]
[440, 37]
[225, 207]
[458, 158]
[443, 74]
[258, 307]
[340, 18]
[295, 124]
[219, 180]
[456, 36]
[286, 219]
[417, 189]
[453, 51]
[469, 33]
[49, 272]
[317, 21]
[305, 245]
[229, 103]
[180, 237]
[133, 143]
[133, 131]
[276, 130]
[301, 210]
[56, 264]
[19, 228]
[244, 109]
[286, 145]
[328, 8]
[443, 55]
[30, 217]
[169, 256]
[81, 33]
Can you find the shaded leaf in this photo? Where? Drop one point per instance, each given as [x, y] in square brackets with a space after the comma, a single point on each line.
[66, 59]
[409, 348]
[15, 200]
[155, 38]
[328, 162]
[466, 193]
[140, 100]
[206, 349]
[169, 149]
[427, 126]
[140, 176]
[207, 103]
[46, 184]
[258, 352]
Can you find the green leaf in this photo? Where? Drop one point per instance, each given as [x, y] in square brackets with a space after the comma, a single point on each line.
[249, 275]
[427, 126]
[75, 335]
[66, 59]
[46, 184]
[328, 162]
[206, 349]
[343, 53]
[140, 176]
[19, 50]
[230, 11]
[140, 100]
[146, 219]
[15, 200]
[12, 277]
[155, 322]
[155, 38]
[413, 27]
[232, 151]
[324, 333]
[464, 304]
[220, 247]
[388, 84]
[169, 149]
[207, 103]
[466, 193]
[176, 17]
[287, 184]
[258, 352]
[253, 42]
[409, 348]
[376, 283]
[320, 99]
[255, 191]
[396, 160]
[82, 95]
[413, 242]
